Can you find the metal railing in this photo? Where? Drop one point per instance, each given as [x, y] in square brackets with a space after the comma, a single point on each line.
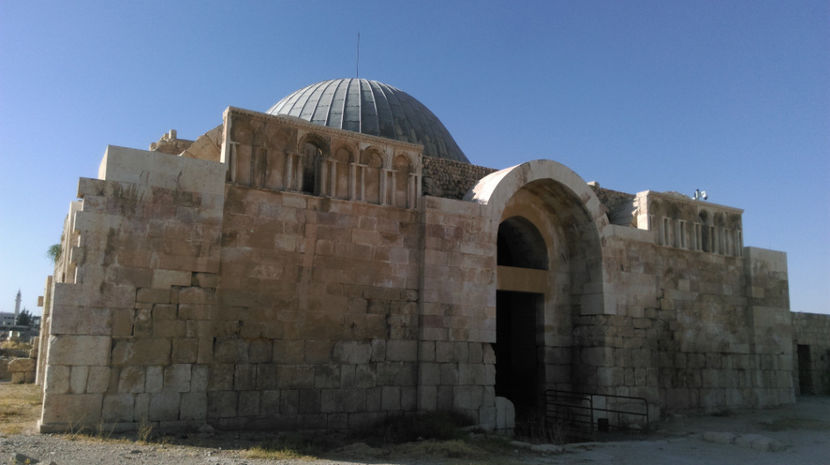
[595, 412]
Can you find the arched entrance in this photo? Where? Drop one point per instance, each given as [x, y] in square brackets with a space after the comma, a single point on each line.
[549, 278]
[522, 261]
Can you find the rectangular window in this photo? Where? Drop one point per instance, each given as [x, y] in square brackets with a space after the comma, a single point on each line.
[666, 232]
[698, 239]
[682, 228]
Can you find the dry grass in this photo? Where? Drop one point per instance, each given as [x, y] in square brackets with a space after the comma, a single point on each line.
[19, 407]
[15, 348]
[437, 436]
[446, 441]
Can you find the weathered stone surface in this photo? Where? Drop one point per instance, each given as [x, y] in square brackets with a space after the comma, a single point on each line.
[150, 351]
[79, 350]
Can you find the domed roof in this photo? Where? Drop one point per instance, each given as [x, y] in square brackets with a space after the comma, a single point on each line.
[374, 108]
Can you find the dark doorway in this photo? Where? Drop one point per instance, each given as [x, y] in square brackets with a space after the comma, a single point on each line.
[805, 372]
[517, 362]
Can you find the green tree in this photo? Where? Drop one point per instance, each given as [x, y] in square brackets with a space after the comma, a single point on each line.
[24, 318]
[54, 252]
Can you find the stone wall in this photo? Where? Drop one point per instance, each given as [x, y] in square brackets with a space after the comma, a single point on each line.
[139, 247]
[619, 206]
[316, 318]
[686, 334]
[811, 351]
[458, 320]
[305, 282]
[449, 178]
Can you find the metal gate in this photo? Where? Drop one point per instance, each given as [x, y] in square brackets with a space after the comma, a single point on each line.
[595, 412]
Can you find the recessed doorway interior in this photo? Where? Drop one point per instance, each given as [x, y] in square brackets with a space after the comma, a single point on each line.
[517, 362]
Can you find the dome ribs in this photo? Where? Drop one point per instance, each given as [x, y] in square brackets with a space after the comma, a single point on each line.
[373, 108]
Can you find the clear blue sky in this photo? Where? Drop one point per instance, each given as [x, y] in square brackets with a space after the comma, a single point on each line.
[729, 96]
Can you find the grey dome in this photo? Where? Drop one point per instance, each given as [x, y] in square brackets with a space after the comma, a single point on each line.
[374, 108]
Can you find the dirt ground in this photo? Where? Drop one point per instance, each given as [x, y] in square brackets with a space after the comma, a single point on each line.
[798, 434]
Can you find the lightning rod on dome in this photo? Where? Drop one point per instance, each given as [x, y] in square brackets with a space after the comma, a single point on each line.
[357, 61]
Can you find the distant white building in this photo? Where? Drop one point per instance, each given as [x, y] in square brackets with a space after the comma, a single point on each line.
[7, 319]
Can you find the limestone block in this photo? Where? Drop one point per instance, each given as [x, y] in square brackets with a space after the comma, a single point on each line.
[193, 406]
[220, 377]
[121, 164]
[221, 404]
[105, 295]
[327, 376]
[427, 397]
[147, 351]
[118, 408]
[365, 376]
[164, 406]
[444, 351]
[80, 320]
[154, 379]
[404, 351]
[467, 397]
[379, 348]
[196, 295]
[166, 278]
[77, 379]
[170, 328]
[121, 322]
[429, 374]
[331, 400]
[244, 377]
[505, 414]
[205, 354]
[270, 403]
[230, 350]
[21, 365]
[79, 350]
[76, 409]
[396, 373]
[199, 378]
[266, 376]
[352, 352]
[195, 311]
[289, 402]
[295, 376]
[260, 350]
[206, 280]
[249, 403]
[98, 379]
[177, 378]
[461, 352]
[141, 410]
[23, 377]
[164, 312]
[426, 351]
[487, 418]
[153, 296]
[391, 398]
[597, 356]
[185, 350]
[409, 398]
[309, 401]
[57, 379]
[449, 374]
[131, 379]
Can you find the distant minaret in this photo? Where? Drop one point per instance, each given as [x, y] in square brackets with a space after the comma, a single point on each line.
[16, 306]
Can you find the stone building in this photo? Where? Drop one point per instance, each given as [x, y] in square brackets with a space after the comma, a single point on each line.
[337, 259]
